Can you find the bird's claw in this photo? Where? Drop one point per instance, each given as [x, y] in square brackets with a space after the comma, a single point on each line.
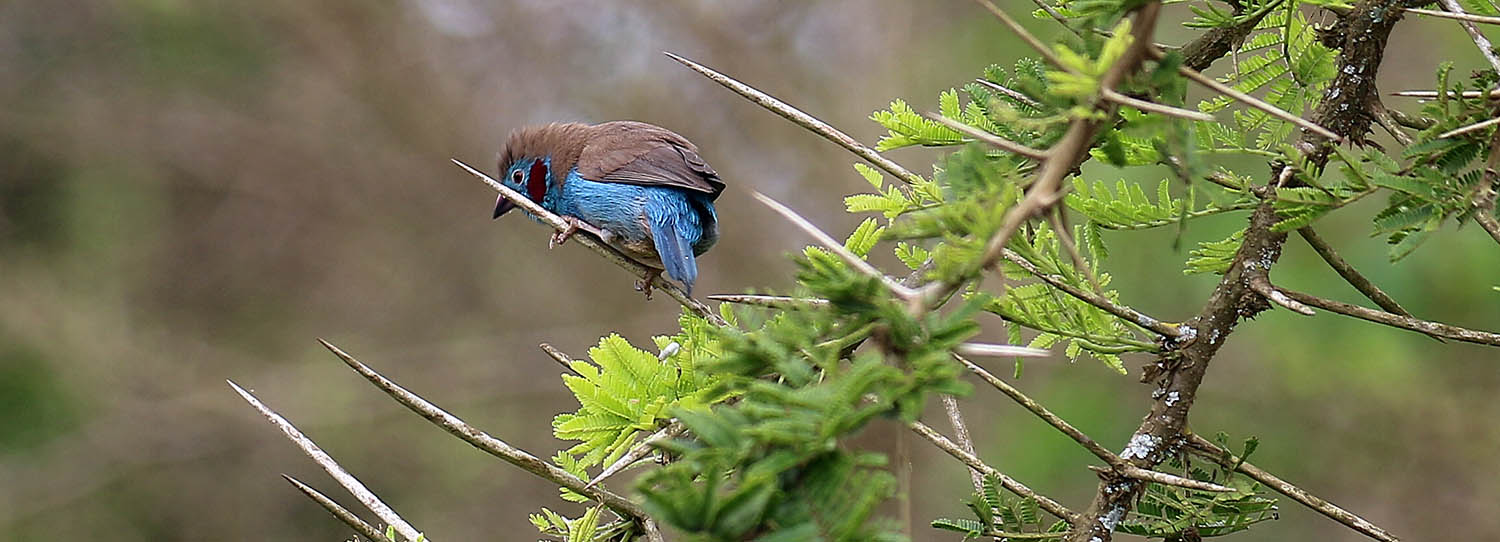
[644, 285]
[562, 237]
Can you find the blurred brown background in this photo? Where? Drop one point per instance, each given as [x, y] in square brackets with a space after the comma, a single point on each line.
[194, 191]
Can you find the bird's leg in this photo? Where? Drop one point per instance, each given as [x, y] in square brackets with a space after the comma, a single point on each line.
[574, 225]
[644, 285]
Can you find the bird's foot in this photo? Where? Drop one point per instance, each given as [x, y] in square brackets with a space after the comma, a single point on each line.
[562, 236]
[575, 225]
[644, 285]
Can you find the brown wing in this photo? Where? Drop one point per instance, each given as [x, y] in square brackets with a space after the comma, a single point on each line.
[642, 154]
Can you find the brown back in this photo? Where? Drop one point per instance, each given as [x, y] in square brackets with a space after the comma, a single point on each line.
[625, 152]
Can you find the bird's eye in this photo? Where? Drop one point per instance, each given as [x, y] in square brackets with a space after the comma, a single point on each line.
[516, 176]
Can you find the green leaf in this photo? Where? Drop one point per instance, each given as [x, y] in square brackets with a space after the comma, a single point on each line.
[911, 255]
[864, 237]
[1215, 256]
[871, 175]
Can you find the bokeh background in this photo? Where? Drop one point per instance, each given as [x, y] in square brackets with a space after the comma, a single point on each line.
[195, 191]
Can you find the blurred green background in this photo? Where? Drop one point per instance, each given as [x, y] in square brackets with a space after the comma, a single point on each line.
[194, 191]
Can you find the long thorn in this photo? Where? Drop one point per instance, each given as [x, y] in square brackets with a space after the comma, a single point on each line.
[559, 357]
[1010, 484]
[1153, 107]
[991, 139]
[1459, 16]
[1017, 96]
[1429, 94]
[802, 119]
[836, 247]
[999, 350]
[1461, 130]
[479, 439]
[1262, 286]
[350, 483]
[640, 450]
[1165, 479]
[1254, 102]
[339, 512]
[1026, 36]
[772, 301]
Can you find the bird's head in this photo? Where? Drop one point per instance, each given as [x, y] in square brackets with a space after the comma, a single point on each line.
[533, 154]
[530, 176]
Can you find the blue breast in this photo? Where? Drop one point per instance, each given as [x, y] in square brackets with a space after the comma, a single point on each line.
[626, 209]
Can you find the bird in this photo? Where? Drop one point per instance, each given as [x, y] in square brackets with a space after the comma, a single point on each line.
[638, 187]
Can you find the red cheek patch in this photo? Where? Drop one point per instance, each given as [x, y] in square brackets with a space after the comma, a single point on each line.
[536, 185]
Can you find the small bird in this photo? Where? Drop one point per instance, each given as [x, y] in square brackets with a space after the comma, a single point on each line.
[638, 187]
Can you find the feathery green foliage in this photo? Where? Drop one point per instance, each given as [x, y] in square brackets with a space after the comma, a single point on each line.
[1058, 317]
[1171, 511]
[997, 515]
[1128, 208]
[768, 464]
[1214, 256]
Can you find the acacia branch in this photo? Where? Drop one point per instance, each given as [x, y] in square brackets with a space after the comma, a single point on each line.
[1040, 411]
[1351, 275]
[1221, 456]
[592, 243]
[1013, 94]
[1025, 36]
[1179, 374]
[559, 357]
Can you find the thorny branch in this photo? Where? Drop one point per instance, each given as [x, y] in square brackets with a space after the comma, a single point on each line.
[1179, 374]
[1396, 320]
[1351, 275]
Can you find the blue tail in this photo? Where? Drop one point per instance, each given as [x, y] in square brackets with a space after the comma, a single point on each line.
[675, 249]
